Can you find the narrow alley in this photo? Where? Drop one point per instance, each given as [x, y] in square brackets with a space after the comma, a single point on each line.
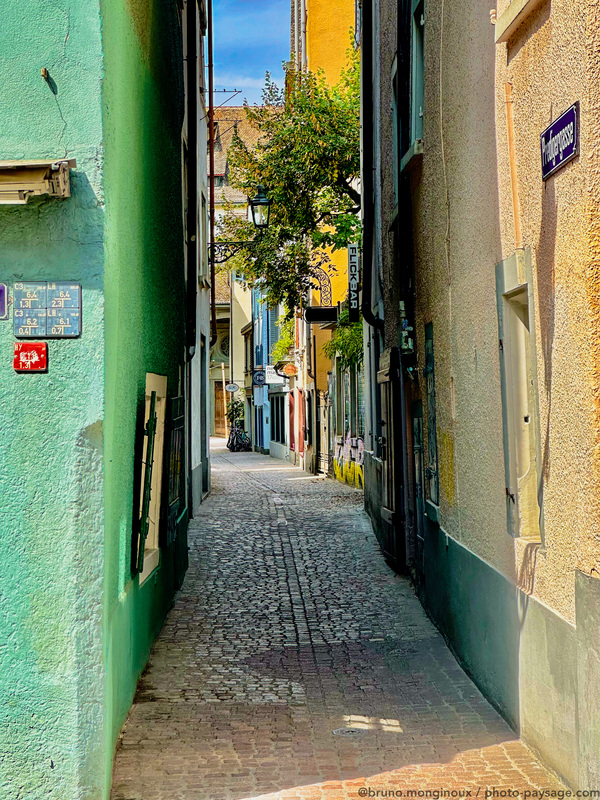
[296, 664]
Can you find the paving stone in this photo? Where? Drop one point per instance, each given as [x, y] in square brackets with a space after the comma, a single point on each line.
[291, 626]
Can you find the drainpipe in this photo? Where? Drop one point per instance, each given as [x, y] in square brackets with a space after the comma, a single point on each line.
[513, 167]
[367, 163]
[211, 178]
[192, 179]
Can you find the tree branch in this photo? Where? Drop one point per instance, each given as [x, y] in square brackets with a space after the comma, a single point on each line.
[349, 190]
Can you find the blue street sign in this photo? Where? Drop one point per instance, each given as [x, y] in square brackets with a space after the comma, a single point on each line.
[30, 324]
[560, 142]
[3, 301]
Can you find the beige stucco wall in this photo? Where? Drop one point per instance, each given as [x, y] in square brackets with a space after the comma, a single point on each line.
[545, 62]
[241, 315]
[464, 226]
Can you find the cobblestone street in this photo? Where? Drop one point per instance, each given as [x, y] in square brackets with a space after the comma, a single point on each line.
[296, 665]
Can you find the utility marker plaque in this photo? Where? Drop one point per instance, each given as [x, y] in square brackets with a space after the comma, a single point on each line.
[560, 142]
[47, 310]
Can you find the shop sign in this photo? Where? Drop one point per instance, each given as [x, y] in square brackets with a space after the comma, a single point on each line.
[232, 387]
[30, 357]
[560, 142]
[3, 301]
[353, 283]
[272, 376]
[259, 378]
[290, 370]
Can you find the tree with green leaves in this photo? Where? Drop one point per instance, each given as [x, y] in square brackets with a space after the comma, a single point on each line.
[308, 159]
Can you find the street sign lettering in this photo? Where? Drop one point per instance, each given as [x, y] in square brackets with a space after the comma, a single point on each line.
[353, 283]
[560, 141]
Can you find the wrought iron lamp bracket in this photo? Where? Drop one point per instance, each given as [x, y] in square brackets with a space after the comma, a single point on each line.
[223, 251]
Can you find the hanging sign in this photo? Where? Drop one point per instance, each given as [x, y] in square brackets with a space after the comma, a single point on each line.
[30, 357]
[272, 376]
[560, 142]
[290, 370]
[3, 301]
[259, 378]
[232, 387]
[353, 283]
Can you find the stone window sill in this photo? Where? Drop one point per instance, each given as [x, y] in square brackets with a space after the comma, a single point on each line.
[151, 562]
[432, 511]
[515, 14]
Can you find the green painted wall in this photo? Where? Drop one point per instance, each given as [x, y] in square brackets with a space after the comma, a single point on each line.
[75, 629]
[540, 671]
[51, 483]
[143, 113]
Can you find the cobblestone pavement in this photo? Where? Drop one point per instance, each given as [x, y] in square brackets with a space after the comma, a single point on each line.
[296, 665]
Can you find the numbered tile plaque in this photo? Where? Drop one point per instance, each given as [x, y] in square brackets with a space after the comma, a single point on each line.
[63, 323]
[63, 295]
[30, 324]
[30, 296]
[47, 310]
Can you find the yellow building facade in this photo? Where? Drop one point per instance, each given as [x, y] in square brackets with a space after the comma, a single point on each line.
[321, 34]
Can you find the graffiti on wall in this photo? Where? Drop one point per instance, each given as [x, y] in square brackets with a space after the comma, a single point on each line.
[348, 461]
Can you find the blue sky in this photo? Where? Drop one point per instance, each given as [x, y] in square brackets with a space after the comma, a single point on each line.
[251, 37]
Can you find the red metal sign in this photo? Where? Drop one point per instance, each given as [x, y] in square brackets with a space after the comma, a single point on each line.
[31, 357]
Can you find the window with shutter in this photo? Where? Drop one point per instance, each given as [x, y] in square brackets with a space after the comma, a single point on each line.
[148, 554]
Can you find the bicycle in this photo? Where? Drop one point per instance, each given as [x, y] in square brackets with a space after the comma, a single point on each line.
[239, 441]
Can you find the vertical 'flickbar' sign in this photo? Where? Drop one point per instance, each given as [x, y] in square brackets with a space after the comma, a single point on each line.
[560, 141]
[353, 283]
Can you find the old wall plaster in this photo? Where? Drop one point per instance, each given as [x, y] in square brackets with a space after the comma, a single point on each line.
[51, 482]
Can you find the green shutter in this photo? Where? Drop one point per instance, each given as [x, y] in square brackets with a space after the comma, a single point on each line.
[144, 517]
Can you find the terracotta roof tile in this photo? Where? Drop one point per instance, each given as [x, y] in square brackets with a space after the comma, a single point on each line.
[227, 119]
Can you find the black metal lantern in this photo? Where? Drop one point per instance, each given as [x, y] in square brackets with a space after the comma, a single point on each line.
[261, 209]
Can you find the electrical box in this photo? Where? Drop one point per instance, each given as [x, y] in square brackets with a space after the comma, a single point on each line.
[20, 180]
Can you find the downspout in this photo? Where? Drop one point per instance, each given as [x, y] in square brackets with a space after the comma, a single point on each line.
[367, 163]
[192, 178]
[211, 177]
[192, 227]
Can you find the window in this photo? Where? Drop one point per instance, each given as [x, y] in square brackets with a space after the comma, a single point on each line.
[417, 71]
[360, 403]
[248, 353]
[522, 450]
[395, 143]
[432, 454]
[203, 260]
[273, 330]
[278, 418]
[156, 388]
